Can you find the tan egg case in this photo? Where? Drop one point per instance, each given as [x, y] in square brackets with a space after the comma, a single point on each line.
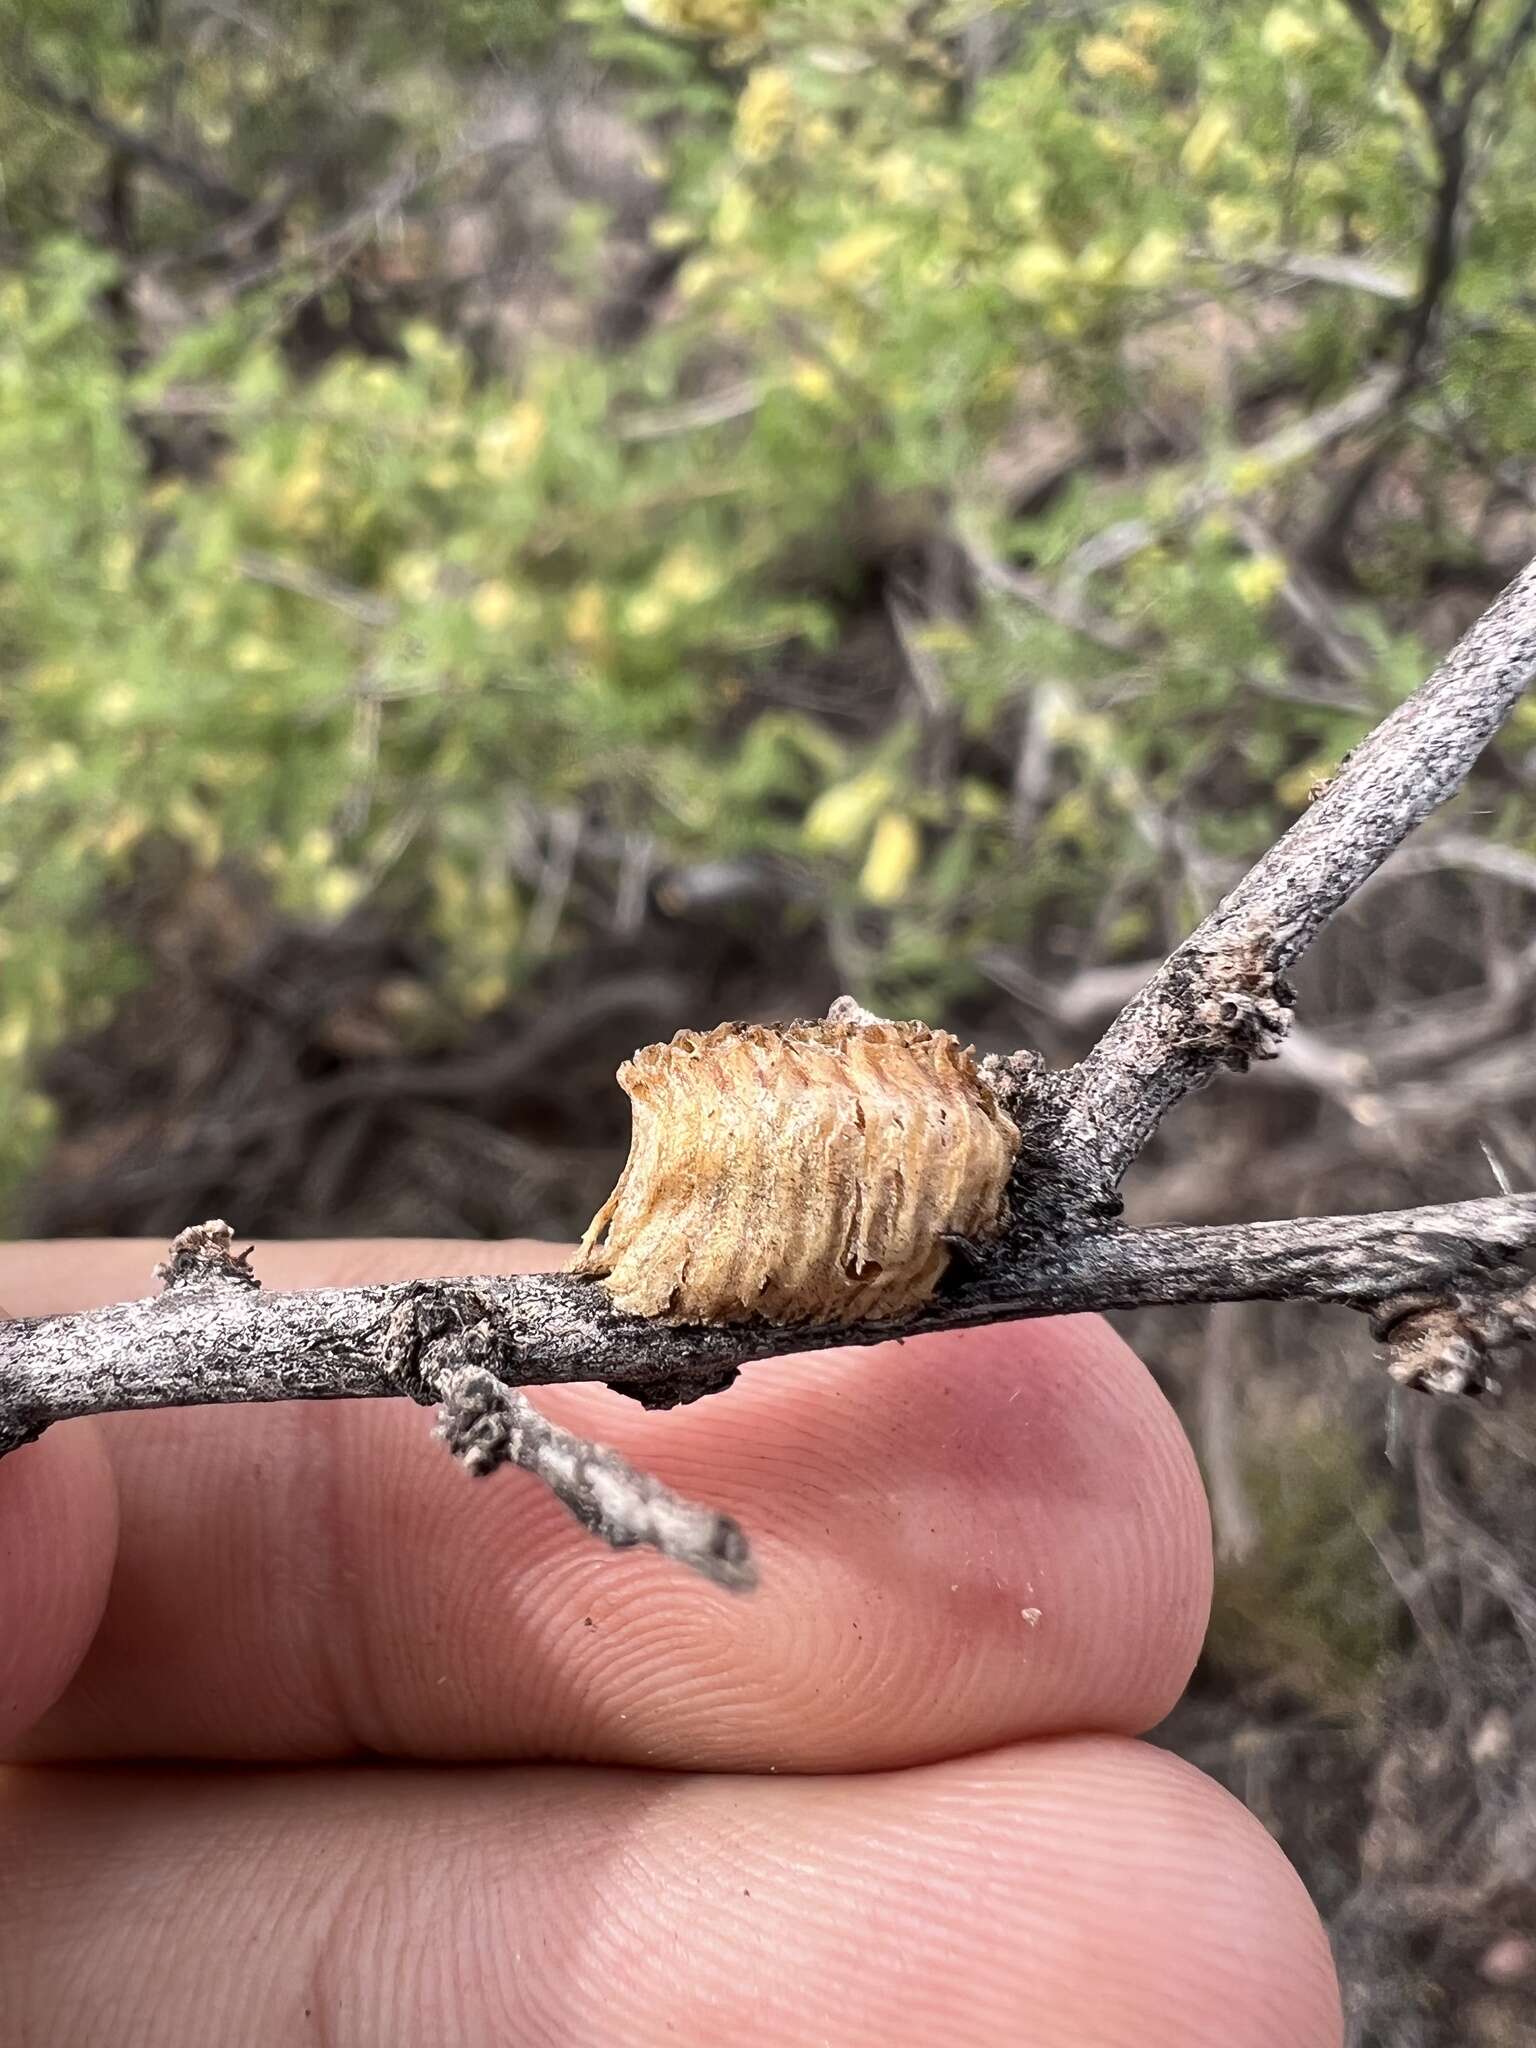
[805, 1172]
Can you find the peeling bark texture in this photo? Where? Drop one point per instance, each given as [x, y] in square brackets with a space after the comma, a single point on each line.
[800, 1173]
[1446, 1288]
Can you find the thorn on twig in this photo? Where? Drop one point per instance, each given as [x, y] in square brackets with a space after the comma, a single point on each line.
[487, 1424]
[203, 1256]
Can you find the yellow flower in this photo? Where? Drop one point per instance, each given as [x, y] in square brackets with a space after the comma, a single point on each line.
[1153, 260]
[895, 851]
[811, 380]
[586, 616]
[1256, 581]
[1109, 141]
[765, 114]
[1073, 819]
[197, 828]
[839, 818]
[1205, 141]
[733, 216]
[251, 653]
[1236, 224]
[294, 499]
[1249, 473]
[116, 704]
[117, 559]
[1327, 181]
[1026, 203]
[483, 991]
[125, 831]
[897, 178]
[1038, 270]
[698, 277]
[1287, 34]
[648, 613]
[1099, 261]
[1143, 25]
[854, 259]
[50, 678]
[335, 892]
[1109, 57]
[1422, 24]
[686, 576]
[423, 341]
[844, 345]
[414, 576]
[509, 445]
[495, 605]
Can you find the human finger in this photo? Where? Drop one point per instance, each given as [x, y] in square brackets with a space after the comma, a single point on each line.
[1075, 1893]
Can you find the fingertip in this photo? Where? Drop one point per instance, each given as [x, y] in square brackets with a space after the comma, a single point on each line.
[1112, 1474]
[962, 1540]
[1015, 1507]
[1222, 1918]
[58, 1540]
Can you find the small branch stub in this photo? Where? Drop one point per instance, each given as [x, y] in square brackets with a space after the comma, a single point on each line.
[203, 1255]
[1449, 1341]
[486, 1425]
[799, 1173]
[1244, 1008]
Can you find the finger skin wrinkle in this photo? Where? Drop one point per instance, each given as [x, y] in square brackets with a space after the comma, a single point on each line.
[1071, 1893]
[340, 1647]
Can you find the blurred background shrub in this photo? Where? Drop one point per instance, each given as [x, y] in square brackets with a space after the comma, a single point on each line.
[522, 527]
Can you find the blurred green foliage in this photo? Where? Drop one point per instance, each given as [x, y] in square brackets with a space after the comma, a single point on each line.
[1312, 1609]
[399, 582]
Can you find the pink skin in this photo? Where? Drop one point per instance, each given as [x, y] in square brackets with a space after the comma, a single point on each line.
[985, 1567]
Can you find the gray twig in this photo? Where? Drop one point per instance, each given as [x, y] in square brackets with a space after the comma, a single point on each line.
[487, 1424]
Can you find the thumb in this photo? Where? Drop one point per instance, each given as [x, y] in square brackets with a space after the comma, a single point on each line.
[58, 1539]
